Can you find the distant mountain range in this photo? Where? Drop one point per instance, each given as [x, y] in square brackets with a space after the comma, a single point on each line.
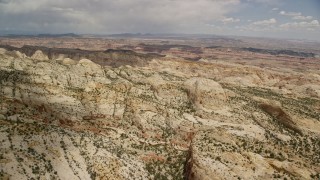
[43, 35]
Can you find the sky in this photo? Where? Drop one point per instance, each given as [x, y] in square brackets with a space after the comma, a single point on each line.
[290, 19]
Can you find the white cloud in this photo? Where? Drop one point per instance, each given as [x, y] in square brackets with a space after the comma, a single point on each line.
[302, 17]
[275, 9]
[284, 13]
[303, 25]
[268, 2]
[265, 22]
[296, 15]
[230, 20]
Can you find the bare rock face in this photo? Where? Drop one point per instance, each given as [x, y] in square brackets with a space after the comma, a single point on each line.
[89, 66]
[281, 116]
[312, 90]
[68, 61]
[65, 120]
[2, 51]
[205, 93]
[38, 55]
[20, 55]
[60, 57]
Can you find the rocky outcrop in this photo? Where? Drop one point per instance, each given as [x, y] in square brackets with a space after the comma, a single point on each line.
[76, 119]
[3, 51]
[205, 93]
[279, 52]
[110, 57]
[68, 61]
[281, 117]
[38, 55]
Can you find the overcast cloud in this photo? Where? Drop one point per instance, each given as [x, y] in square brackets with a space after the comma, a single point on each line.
[114, 15]
[150, 16]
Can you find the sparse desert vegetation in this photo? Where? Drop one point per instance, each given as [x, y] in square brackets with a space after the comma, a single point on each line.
[135, 115]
